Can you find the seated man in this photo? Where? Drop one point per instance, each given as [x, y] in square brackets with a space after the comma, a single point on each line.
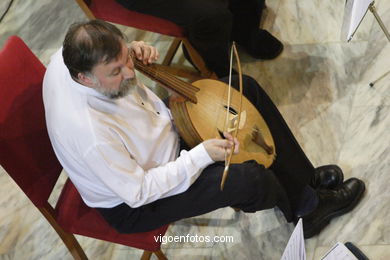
[117, 141]
[210, 25]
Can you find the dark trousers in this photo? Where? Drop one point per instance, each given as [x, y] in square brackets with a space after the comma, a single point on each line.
[210, 25]
[249, 185]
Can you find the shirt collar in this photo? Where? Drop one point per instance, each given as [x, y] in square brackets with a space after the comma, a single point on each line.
[85, 89]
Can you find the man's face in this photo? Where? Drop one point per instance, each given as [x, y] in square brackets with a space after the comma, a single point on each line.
[116, 78]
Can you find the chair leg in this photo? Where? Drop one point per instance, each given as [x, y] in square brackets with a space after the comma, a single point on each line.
[167, 66]
[194, 55]
[160, 255]
[85, 9]
[69, 239]
[146, 255]
[198, 61]
[171, 52]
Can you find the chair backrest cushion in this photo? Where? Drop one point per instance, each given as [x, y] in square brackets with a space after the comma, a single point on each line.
[26, 152]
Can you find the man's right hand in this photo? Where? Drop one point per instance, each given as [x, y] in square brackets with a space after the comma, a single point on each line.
[218, 148]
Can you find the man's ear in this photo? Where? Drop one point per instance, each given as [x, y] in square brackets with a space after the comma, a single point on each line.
[85, 79]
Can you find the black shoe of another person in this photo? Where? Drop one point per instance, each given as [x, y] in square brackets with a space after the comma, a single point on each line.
[332, 203]
[262, 45]
[327, 177]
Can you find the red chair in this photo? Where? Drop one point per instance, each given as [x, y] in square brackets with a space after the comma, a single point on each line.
[111, 11]
[27, 156]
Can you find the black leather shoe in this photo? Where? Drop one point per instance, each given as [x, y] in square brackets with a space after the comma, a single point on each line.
[333, 203]
[263, 45]
[327, 177]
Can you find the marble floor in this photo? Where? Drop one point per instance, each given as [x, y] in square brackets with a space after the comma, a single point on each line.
[320, 84]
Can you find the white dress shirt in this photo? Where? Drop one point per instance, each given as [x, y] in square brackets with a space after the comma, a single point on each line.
[115, 151]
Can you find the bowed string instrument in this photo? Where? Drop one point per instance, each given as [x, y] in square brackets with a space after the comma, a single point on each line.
[204, 109]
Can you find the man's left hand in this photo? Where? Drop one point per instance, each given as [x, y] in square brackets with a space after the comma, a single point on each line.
[144, 52]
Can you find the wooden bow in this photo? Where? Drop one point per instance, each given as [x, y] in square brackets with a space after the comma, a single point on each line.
[237, 123]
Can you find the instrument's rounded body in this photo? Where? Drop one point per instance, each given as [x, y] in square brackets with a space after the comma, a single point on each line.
[207, 119]
[199, 111]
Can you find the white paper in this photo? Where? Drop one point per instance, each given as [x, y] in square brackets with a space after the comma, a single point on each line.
[295, 249]
[354, 12]
[339, 252]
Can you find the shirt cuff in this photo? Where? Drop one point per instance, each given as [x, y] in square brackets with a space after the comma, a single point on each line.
[200, 157]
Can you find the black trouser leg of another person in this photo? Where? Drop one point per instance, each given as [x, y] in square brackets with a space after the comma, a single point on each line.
[212, 25]
[206, 23]
[249, 186]
[246, 18]
[258, 43]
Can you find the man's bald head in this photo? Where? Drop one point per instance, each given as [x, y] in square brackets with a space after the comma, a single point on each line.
[90, 43]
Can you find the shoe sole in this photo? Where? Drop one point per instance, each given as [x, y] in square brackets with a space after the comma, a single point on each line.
[312, 232]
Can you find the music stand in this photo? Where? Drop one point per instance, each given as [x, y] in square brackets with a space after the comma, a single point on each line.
[354, 12]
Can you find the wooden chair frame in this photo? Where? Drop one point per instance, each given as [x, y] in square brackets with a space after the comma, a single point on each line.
[73, 245]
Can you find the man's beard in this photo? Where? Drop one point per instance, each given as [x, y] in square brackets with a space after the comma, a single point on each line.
[123, 90]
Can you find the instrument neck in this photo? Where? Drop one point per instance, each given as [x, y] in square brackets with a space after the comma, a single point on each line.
[168, 80]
